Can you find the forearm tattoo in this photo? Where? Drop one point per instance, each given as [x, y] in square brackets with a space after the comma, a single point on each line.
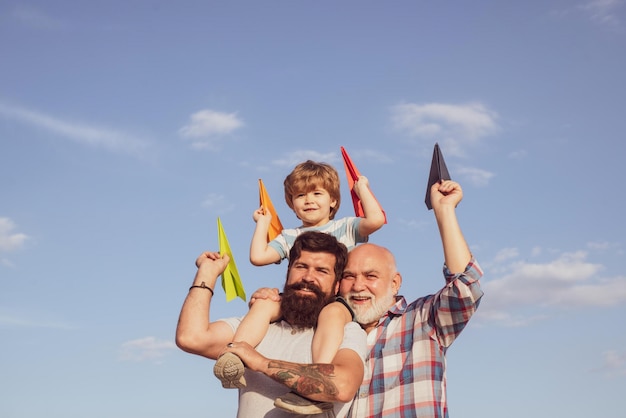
[305, 379]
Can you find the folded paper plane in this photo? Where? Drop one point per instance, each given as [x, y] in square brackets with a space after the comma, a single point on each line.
[231, 282]
[352, 173]
[276, 226]
[438, 171]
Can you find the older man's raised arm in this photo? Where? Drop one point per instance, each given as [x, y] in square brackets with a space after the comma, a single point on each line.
[445, 196]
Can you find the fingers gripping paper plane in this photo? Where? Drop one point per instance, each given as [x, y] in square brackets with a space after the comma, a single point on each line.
[438, 171]
[231, 282]
[353, 175]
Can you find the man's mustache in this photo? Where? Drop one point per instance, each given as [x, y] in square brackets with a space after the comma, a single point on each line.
[305, 286]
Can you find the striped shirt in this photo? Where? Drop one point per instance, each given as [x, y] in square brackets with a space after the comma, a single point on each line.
[346, 230]
[405, 372]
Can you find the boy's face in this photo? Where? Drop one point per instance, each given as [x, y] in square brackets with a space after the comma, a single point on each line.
[313, 207]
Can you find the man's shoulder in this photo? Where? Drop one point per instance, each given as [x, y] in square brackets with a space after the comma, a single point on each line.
[403, 307]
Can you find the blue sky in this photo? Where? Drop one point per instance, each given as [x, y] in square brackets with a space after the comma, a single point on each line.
[128, 127]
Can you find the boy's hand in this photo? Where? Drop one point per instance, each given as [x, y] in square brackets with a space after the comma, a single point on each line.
[265, 293]
[262, 214]
[362, 183]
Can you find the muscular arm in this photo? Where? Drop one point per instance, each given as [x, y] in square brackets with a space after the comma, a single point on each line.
[195, 332]
[337, 381]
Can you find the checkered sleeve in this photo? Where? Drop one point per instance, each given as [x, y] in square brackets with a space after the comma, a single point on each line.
[453, 306]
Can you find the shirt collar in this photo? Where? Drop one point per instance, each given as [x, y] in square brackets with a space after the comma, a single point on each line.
[397, 309]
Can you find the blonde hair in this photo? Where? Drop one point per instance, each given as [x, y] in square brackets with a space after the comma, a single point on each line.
[308, 176]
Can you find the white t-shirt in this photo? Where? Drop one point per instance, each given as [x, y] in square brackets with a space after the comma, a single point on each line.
[257, 398]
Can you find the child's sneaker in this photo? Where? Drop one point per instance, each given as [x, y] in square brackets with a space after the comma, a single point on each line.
[300, 405]
[229, 369]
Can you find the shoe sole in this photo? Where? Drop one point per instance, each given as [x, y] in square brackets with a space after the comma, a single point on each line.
[230, 369]
[312, 409]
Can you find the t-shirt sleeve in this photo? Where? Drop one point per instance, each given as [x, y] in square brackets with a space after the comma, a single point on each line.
[355, 339]
[232, 322]
[280, 245]
[352, 225]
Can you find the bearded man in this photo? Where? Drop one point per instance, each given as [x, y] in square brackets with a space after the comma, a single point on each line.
[283, 358]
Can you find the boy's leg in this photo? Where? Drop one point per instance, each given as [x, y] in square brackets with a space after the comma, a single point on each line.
[329, 332]
[326, 341]
[229, 368]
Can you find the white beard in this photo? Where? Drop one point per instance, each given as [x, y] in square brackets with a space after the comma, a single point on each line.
[366, 315]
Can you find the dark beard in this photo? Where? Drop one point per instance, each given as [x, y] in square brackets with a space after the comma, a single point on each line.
[302, 311]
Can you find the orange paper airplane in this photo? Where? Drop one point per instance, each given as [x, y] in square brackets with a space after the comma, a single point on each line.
[275, 226]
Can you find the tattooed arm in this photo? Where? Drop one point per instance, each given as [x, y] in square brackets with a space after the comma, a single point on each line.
[332, 382]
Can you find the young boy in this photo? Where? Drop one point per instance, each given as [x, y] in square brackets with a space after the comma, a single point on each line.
[312, 192]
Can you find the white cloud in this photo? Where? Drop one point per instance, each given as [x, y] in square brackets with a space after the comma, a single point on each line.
[603, 246]
[613, 364]
[454, 125]
[148, 348]
[296, 157]
[518, 154]
[360, 155]
[218, 202]
[79, 132]
[413, 224]
[602, 11]
[503, 318]
[9, 240]
[536, 251]
[474, 176]
[569, 281]
[40, 321]
[207, 127]
[6, 262]
[34, 18]
[506, 254]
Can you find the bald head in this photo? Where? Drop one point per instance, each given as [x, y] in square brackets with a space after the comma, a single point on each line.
[370, 282]
[379, 256]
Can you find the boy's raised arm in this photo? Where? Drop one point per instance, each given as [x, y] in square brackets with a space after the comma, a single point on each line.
[373, 218]
[261, 254]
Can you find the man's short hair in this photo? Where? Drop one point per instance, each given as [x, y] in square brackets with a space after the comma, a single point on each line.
[320, 242]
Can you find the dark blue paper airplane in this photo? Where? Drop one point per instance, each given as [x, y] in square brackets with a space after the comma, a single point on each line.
[438, 171]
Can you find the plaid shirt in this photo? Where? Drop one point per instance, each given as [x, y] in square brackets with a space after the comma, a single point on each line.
[405, 372]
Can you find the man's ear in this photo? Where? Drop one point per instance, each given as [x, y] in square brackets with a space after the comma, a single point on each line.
[337, 286]
[396, 282]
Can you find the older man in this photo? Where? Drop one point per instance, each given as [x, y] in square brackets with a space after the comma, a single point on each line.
[282, 360]
[405, 372]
